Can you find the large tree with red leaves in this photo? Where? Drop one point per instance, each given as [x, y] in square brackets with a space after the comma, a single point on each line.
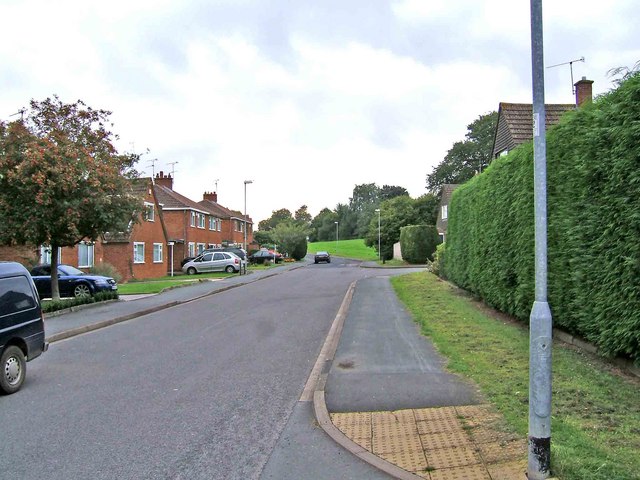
[62, 179]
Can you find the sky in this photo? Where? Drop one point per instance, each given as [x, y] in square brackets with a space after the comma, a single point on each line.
[306, 98]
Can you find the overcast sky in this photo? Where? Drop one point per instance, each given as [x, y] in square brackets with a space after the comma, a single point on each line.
[305, 98]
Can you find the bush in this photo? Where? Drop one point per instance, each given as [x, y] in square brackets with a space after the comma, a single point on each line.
[436, 266]
[418, 243]
[106, 270]
[55, 305]
[593, 190]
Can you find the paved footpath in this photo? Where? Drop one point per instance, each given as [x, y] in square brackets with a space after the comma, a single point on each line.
[387, 399]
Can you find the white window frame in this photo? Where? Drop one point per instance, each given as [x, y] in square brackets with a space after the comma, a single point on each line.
[445, 211]
[192, 249]
[136, 254]
[157, 253]
[90, 254]
[45, 254]
[149, 212]
[212, 223]
[201, 218]
[193, 218]
[200, 247]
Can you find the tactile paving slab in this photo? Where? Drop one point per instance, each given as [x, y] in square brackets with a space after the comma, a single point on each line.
[396, 429]
[405, 443]
[469, 472]
[398, 416]
[411, 461]
[440, 413]
[508, 471]
[449, 424]
[452, 457]
[434, 441]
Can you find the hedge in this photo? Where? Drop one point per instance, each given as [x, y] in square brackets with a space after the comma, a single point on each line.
[593, 182]
[418, 243]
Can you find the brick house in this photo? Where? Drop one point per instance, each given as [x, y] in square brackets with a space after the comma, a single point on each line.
[515, 120]
[194, 226]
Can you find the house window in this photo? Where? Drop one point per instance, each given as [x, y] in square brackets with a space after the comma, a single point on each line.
[201, 220]
[192, 249]
[193, 219]
[45, 254]
[157, 253]
[149, 212]
[85, 255]
[212, 223]
[444, 212]
[138, 252]
[201, 248]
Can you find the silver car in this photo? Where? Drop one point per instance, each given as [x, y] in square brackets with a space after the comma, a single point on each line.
[213, 262]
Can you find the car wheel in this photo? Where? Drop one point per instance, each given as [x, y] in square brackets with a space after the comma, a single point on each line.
[191, 271]
[14, 370]
[82, 290]
[315, 261]
[328, 261]
[229, 269]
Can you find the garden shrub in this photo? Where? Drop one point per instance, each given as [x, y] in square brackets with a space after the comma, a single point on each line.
[418, 243]
[106, 270]
[55, 305]
[593, 198]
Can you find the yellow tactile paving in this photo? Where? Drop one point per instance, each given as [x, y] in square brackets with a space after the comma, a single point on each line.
[445, 443]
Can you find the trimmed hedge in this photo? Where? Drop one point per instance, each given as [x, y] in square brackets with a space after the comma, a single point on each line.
[49, 306]
[418, 243]
[593, 182]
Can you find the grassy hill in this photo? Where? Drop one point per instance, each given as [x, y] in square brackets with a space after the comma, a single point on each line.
[345, 248]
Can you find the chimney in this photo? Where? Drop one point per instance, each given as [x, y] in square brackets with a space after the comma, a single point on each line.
[164, 180]
[211, 196]
[583, 91]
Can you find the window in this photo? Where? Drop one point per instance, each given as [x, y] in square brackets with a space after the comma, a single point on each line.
[138, 252]
[218, 256]
[219, 225]
[85, 255]
[212, 223]
[45, 254]
[444, 212]
[157, 253]
[192, 249]
[149, 212]
[15, 295]
[201, 248]
[193, 219]
[201, 220]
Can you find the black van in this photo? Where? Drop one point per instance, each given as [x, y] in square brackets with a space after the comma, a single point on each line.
[21, 325]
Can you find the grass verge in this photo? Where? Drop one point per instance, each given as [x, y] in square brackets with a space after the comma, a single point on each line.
[595, 413]
[355, 249]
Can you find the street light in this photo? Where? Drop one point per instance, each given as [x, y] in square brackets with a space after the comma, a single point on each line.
[245, 212]
[379, 252]
[336, 236]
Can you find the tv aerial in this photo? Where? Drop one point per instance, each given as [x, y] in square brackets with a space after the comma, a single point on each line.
[570, 63]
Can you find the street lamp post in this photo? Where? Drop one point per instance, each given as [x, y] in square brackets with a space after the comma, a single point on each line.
[540, 321]
[379, 252]
[246, 182]
[336, 236]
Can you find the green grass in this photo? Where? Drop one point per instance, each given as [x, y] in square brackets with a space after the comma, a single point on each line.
[355, 249]
[595, 413]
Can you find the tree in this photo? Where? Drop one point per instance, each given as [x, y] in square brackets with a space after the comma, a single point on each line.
[388, 192]
[303, 216]
[323, 226]
[62, 179]
[427, 208]
[277, 217]
[468, 157]
[291, 238]
[365, 200]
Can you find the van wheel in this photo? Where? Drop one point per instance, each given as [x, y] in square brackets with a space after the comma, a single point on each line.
[82, 290]
[14, 369]
[191, 271]
[230, 269]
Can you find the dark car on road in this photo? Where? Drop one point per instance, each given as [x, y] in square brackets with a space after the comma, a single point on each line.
[71, 282]
[321, 257]
[21, 325]
[263, 256]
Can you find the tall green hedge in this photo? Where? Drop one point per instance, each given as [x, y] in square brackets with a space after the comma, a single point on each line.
[418, 243]
[593, 181]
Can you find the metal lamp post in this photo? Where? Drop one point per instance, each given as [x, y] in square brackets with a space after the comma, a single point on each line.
[246, 182]
[379, 252]
[336, 236]
[540, 321]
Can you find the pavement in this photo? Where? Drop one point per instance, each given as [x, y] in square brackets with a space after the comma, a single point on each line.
[381, 390]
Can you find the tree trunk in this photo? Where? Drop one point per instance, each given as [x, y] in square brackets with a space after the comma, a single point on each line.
[55, 289]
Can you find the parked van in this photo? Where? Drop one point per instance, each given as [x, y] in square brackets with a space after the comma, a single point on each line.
[21, 325]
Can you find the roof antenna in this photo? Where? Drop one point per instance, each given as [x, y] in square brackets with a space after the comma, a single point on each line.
[20, 112]
[216, 182]
[173, 169]
[152, 162]
[581, 59]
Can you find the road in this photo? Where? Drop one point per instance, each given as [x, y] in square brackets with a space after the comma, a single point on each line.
[209, 389]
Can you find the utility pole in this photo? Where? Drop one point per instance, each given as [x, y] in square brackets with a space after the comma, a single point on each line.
[540, 321]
